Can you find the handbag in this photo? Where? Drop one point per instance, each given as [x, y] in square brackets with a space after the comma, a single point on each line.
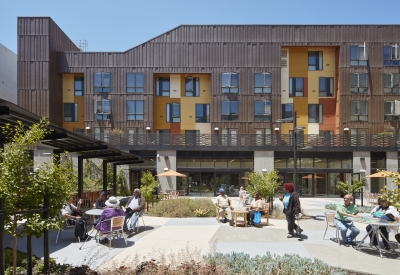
[257, 217]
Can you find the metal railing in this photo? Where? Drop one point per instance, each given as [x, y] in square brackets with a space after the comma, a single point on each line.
[248, 140]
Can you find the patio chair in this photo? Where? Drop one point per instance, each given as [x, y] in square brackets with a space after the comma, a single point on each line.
[117, 229]
[266, 212]
[173, 195]
[128, 221]
[241, 200]
[330, 217]
[67, 224]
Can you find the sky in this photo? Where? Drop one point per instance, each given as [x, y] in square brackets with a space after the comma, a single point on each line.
[118, 25]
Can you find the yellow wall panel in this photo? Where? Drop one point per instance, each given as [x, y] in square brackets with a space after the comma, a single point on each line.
[68, 87]
[298, 65]
[301, 107]
[69, 97]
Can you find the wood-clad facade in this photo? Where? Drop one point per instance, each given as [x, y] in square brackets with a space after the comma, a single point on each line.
[206, 52]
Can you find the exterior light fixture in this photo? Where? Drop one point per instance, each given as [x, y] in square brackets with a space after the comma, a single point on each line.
[166, 169]
[216, 129]
[148, 128]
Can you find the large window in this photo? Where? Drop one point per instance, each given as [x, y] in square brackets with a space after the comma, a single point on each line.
[162, 86]
[230, 110]
[262, 110]
[192, 86]
[296, 86]
[262, 83]
[203, 113]
[392, 110]
[314, 61]
[134, 82]
[134, 110]
[315, 113]
[102, 109]
[70, 112]
[326, 86]
[102, 82]
[391, 83]
[287, 110]
[359, 110]
[391, 55]
[78, 86]
[173, 112]
[229, 83]
[358, 55]
[359, 83]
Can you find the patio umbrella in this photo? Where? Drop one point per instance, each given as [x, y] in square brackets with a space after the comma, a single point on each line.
[310, 177]
[171, 173]
[382, 174]
[244, 178]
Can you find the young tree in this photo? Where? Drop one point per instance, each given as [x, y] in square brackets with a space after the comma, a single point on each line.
[347, 187]
[149, 184]
[393, 195]
[22, 189]
[265, 183]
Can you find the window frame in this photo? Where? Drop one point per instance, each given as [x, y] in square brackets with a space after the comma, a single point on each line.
[266, 113]
[159, 86]
[395, 110]
[359, 116]
[329, 82]
[264, 88]
[355, 55]
[318, 110]
[136, 88]
[318, 66]
[102, 114]
[79, 92]
[206, 118]
[195, 89]
[72, 107]
[135, 114]
[171, 109]
[389, 59]
[293, 83]
[230, 87]
[393, 88]
[358, 88]
[230, 105]
[100, 85]
[285, 112]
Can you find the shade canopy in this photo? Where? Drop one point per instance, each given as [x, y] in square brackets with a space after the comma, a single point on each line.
[309, 176]
[171, 173]
[383, 174]
[244, 178]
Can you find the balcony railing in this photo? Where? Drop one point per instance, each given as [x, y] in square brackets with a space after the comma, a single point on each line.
[249, 141]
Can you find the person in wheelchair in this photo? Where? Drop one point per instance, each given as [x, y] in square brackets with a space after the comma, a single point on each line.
[104, 224]
[71, 212]
[133, 210]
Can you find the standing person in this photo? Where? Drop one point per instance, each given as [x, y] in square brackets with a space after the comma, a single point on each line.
[101, 202]
[344, 210]
[224, 205]
[291, 208]
[134, 209]
[112, 210]
[256, 205]
[380, 211]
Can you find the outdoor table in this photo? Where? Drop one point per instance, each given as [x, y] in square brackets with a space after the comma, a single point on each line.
[375, 224]
[94, 212]
[235, 213]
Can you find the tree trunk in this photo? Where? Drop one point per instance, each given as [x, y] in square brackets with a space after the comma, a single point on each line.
[15, 247]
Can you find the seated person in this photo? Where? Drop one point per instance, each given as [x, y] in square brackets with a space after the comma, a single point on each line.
[134, 208]
[224, 205]
[380, 211]
[101, 202]
[343, 211]
[112, 210]
[71, 212]
[256, 205]
[244, 194]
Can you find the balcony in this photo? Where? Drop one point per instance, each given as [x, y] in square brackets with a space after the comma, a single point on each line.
[247, 142]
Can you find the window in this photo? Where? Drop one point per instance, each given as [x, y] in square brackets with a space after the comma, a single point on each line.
[78, 86]
[359, 83]
[392, 110]
[102, 82]
[359, 110]
[391, 55]
[102, 109]
[358, 55]
[192, 86]
[262, 83]
[173, 112]
[391, 83]
[315, 113]
[162, 86]
[70, 112]
[287, 110]
[203, 113]
[134, 82]
[229, 83]
[134, 110]
[296, 87]
[326, 86]
[314, 61]
[230, 110]
[262, 110]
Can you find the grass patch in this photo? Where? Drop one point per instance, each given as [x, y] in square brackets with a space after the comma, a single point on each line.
[183, 208]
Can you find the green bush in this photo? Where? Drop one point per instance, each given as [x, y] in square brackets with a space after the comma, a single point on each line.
[361, 209]
[183, 208]
[240, 263]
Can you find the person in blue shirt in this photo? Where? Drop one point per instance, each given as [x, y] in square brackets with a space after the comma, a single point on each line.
[291, 208]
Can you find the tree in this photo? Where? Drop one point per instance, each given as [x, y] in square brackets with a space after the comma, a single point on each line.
[22, 189]
[348, 188]
[149, 184]
[393, 195]
[265, 183]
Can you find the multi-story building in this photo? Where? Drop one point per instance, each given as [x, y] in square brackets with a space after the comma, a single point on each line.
[8, 74]
[218, 101]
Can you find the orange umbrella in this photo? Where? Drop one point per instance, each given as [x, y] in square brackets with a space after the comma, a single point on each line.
[383, 174]
[171, 173]
[244, 178]
[309, 176]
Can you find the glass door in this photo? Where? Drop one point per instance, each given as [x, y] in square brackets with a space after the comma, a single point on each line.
[306, 183]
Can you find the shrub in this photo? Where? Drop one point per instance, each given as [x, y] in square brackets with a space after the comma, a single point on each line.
[361, 209]
[183, 208]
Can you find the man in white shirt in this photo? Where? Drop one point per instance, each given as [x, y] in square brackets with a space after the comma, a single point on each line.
[67, 211]
[134, 209]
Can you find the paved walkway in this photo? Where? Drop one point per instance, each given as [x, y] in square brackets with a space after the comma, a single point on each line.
[198, 236]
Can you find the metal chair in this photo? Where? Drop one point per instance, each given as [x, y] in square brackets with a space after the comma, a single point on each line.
[117, 229]
[330, 217]
[137, 222]
[67, 224]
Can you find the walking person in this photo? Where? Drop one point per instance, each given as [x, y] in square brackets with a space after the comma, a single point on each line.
[291, 208]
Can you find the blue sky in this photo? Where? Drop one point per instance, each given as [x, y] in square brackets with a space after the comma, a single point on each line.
[118, 25]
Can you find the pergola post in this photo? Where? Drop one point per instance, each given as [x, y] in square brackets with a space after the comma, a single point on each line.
[104, 176]
[114, 179]
[80, 177]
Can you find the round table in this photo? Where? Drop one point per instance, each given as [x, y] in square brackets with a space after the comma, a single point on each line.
[94, 212]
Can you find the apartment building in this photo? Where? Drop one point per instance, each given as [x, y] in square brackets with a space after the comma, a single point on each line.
[8, 74]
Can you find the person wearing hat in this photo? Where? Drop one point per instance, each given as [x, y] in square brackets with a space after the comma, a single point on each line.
[101, 202]
[112, 210]
[224, 206]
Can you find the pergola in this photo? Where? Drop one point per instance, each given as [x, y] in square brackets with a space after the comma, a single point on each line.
[61, 140]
